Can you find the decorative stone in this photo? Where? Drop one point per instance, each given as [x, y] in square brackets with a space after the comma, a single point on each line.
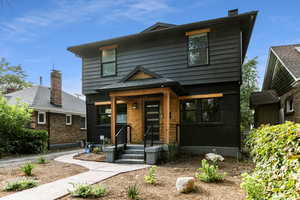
[214, 157]
[185, 184]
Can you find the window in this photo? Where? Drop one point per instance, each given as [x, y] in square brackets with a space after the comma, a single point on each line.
[41, 117]
[108, 62]
[82, 123]
[68, 119]
[198, 49]
[200, 111]
[104, 114]
[289, 105]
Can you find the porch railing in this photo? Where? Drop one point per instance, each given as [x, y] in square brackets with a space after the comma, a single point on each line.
[148, 133]
[122, 133]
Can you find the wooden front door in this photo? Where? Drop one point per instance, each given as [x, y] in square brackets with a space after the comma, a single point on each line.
[152, 118]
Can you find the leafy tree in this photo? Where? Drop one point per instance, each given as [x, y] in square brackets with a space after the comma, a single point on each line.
[249, 76]
[12, 76]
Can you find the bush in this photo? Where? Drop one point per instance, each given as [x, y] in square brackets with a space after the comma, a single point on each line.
[254, 189]
[275, 152]
[29, 141]
[14, 137]
[209, 173]
[133, 192]
[88, 191]
[42, 160]
[151, 177]
[20, 185]
[27, 169]
[96, 150]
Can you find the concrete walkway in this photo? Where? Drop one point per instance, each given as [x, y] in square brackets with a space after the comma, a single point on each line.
[98, 171]
[10, 162]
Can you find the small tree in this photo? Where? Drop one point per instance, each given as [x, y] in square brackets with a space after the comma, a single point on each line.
[12, 76]
[249, 76]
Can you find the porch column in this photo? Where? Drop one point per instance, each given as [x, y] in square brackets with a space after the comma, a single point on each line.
[166, 124]
[113, 118]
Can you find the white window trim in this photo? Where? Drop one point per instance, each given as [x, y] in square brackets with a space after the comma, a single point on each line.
[38, 118]
[288, 109]
[70, 120]
[84, 124]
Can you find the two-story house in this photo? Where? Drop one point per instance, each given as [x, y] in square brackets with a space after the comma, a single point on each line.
[180, 81]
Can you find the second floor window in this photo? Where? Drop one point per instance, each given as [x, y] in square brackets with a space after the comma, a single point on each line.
[198, 49]
[108, 62]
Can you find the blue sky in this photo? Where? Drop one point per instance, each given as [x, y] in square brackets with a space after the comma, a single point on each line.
[36, 33]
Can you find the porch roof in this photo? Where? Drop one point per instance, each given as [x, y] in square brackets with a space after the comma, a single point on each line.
[144, 84]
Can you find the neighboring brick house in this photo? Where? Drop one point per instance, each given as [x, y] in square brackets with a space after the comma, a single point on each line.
[61, 114]
[279, 99]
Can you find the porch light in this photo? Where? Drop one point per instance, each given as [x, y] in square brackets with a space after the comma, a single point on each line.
[134, 106]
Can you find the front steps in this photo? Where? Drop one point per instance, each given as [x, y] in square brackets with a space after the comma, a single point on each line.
[133, 154]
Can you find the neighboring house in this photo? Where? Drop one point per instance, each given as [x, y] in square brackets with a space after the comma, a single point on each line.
[181, 80]
[61, 114]
[279, 99]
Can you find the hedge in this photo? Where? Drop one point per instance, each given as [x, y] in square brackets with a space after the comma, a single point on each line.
[27, 141]
[276, 152]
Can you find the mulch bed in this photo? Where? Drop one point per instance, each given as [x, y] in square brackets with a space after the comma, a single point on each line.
[44, 173]
[97, 157]
[167, 175]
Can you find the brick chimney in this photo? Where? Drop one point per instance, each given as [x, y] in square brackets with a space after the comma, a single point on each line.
[55, 95]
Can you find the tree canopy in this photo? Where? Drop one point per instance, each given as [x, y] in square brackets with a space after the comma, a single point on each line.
[12, 76]
[249, 76]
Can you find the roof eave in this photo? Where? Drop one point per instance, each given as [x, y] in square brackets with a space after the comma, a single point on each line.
[76, 49]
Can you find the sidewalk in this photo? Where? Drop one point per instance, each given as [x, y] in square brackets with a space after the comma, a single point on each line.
[98, 171]
[21, 160]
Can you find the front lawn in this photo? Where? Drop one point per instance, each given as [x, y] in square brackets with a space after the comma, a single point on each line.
[166, 180]
[43, 173]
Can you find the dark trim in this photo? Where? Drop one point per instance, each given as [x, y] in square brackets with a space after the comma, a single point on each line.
[101, 64]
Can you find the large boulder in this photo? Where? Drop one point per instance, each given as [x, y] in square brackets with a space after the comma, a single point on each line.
[185, 184]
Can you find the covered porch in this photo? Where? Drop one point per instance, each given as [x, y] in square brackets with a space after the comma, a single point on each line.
[152, 116]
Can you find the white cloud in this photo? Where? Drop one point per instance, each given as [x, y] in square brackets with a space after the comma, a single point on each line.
[66, 12]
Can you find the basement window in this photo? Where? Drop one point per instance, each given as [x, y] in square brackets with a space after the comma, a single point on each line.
[68, 120]
[41, 117]
[198, 49]
[108, 62]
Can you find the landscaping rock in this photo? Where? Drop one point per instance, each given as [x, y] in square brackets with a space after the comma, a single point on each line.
[214, 157]
[185, 184]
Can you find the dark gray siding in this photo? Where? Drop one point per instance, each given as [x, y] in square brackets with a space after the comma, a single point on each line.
[167, 56]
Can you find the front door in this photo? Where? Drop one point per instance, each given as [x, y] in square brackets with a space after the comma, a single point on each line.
[152, 118]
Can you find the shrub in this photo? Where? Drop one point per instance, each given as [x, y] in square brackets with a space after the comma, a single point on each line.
[151, 177]
[96, 150]
[20, 185]
[209, 173]
[29, 141]
[133, 192]
[275, 151]
[88, 191]
[27, 169]
[42, 160]
[254, 189]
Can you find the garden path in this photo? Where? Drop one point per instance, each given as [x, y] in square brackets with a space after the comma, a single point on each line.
[98, 171]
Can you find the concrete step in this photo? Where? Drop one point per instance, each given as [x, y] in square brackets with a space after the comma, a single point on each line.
[132, 156]
[135, 146]
[130, 161]
[134, 151]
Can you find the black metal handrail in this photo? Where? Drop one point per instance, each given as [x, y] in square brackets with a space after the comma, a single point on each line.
[125, 133]
[146, 135]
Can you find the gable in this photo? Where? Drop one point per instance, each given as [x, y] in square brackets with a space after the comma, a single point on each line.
[140, 75]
